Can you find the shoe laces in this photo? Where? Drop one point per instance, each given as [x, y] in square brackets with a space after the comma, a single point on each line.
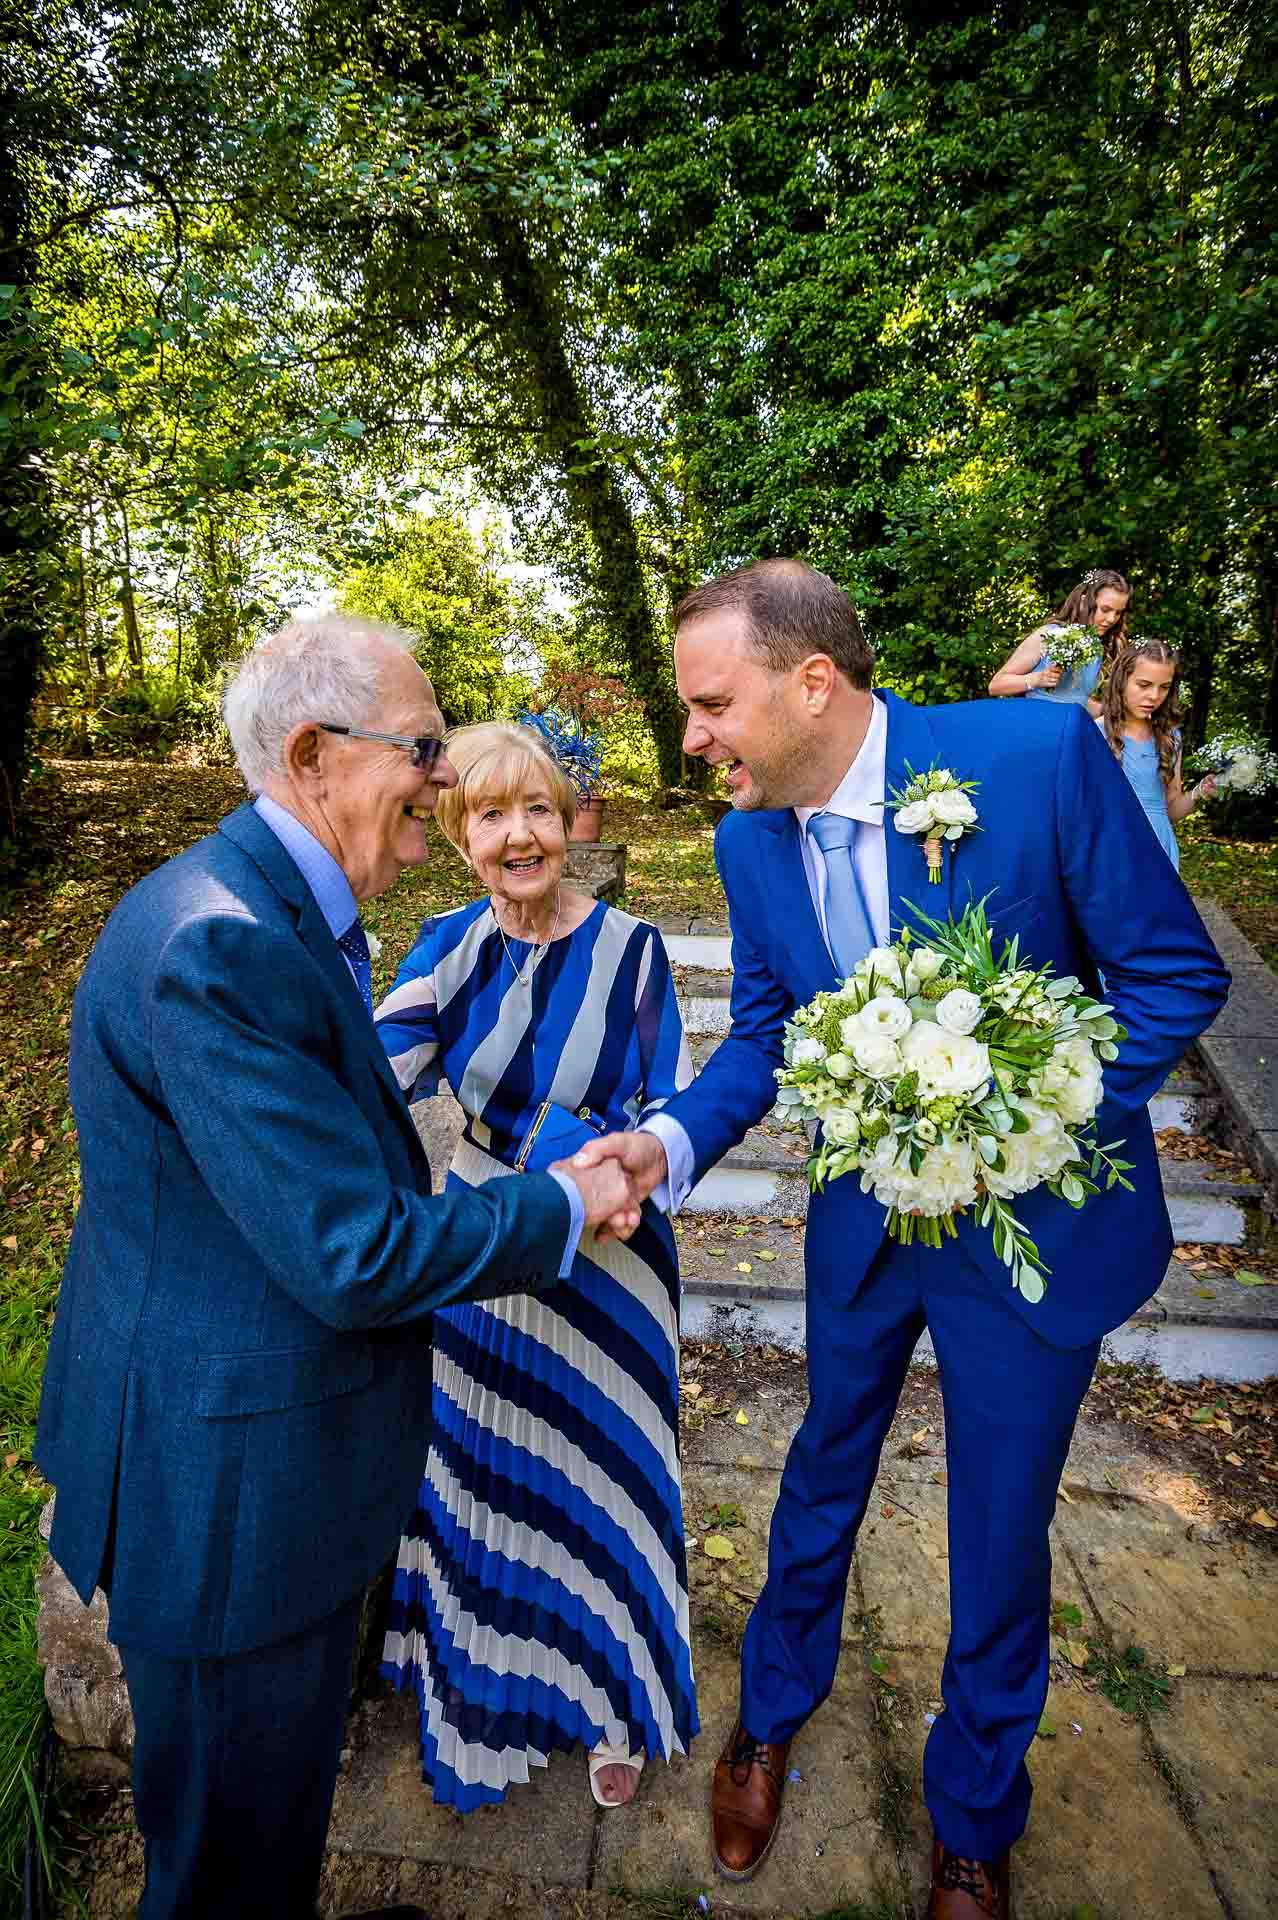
[746, 1753]
[962, 1874]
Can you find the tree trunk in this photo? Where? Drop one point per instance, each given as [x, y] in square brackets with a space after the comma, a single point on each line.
[28, 530]
[128, 605]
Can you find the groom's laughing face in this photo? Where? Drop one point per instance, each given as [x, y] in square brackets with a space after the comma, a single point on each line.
[742, 716]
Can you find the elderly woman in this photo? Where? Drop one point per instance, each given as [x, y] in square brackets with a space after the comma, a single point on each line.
[540, 1598]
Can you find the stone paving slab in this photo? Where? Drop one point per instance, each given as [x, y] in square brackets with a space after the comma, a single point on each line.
[1218, 1741]
[831, 1847]
[544, 1830]
[1251, 1012]
[1214, 1299]
[1104, 1831]
[1212, 1608]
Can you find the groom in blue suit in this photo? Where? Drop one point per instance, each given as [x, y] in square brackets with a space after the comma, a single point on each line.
[776, 677]
[237, 1401]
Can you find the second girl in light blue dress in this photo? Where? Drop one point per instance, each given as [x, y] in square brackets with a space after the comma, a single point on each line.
[1139, 722]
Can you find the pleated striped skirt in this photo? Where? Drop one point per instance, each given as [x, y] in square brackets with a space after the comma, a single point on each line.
[540, 1598]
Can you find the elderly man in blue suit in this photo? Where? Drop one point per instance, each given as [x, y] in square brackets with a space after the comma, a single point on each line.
[239, 1377]
[776, 677]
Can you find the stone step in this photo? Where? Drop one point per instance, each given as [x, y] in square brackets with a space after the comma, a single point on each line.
[1194, 1325]
[711, 952]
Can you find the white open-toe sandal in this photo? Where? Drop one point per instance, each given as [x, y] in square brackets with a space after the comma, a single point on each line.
[605, 1756]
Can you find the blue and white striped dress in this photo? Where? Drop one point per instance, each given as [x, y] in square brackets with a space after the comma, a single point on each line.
[541, 1593]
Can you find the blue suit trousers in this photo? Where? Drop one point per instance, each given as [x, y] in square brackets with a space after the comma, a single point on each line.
[1010, 1406]
[234, 1766]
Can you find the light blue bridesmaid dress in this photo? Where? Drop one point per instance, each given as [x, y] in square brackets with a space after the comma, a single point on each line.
[1075, 689]
[1140, 764]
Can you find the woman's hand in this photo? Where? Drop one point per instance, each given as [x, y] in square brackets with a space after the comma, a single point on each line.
[1047, 676]
[1208, 787]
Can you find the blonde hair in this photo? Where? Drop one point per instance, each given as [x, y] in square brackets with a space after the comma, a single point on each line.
[495, 760]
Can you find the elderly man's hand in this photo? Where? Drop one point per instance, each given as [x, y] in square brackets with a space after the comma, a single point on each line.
[610, 1200]
[643, 1158]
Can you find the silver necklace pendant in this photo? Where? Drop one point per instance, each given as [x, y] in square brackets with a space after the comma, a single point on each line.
[524, 977]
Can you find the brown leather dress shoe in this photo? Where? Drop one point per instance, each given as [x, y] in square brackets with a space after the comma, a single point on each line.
[964, 1889]
[745, 1803]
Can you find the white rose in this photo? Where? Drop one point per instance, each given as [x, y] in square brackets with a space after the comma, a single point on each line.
[842, 1127]
[960, 1011]
[953, 808]
[946, 1063]
[1031, 1157]
[840, 1066]
[885, 1014]
[884, 964]
[917, 817]
[1243, 773]
[877, 1054]
[925, 963]
[808, 1052]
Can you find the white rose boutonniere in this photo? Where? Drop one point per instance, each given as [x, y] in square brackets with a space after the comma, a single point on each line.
[936, 805]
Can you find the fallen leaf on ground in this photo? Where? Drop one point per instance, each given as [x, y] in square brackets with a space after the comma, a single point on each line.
[1046, 1729]
[1234, 1459]
[764, 1253]
[691, 1388]
[1068, 1498]
[1262, 1518]
[743, 1419]
[718, 1548]
[743, 1266]
[1175, 1673]
[1078, 1651]
[1246, 1278]
[11, 1242]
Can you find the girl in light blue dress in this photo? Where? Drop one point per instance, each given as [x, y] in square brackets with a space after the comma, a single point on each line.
[1139, 721]
[1099, 600]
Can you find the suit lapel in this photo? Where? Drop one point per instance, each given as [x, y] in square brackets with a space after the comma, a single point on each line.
[911, 745]
[250, 833]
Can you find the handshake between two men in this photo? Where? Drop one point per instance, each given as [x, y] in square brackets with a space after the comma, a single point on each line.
[614, 1176]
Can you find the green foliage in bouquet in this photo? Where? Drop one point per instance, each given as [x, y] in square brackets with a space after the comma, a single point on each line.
[951, 1077]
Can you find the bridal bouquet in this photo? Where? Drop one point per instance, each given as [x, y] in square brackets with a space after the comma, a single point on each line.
[1071, 647]
[1240, 762]
[950, 1079]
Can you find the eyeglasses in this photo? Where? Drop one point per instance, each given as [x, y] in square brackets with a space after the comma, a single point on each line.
[425, 748]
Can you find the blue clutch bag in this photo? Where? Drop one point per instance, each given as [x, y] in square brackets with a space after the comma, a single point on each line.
[556, 1133]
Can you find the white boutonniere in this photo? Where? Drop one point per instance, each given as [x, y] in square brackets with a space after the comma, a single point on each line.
[374, 946]
[935, 805]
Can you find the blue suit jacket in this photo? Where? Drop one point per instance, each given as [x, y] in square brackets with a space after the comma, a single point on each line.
[236, 1405]
[1072, 866]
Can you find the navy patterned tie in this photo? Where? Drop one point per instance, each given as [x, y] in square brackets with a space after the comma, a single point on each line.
[354, 944]
[849, 934]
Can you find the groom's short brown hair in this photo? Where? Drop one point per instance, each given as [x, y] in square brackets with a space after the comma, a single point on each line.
[791, 610]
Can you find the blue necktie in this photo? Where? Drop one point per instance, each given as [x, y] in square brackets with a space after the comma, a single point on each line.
[354, 944]
[849, 934]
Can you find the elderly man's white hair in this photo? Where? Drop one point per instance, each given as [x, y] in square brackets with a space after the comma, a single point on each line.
[316, 668]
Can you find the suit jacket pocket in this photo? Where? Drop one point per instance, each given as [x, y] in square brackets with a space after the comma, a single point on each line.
[228, 1385]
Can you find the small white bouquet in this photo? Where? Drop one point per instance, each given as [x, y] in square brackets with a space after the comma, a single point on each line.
[950, 1079]
[1073, 647]
[1240, 762]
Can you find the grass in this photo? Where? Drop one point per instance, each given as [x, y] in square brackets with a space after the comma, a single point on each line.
[1241, 874]
[1131, 1680]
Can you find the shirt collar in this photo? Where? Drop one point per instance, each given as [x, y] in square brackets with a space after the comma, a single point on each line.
[861, 792]
[331, 888]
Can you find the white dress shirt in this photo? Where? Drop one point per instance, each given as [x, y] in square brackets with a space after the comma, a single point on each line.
[859, 796]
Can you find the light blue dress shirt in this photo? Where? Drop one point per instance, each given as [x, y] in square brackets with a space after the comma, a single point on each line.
[333, 897]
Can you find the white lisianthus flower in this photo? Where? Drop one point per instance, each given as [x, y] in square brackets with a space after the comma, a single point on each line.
[1072, 1081]
[1031, 1157]
[842, 1127]
[808, 1052]
[927, 1131]
[946, 1063]
[960, 1011]
[840, 1066]
[953, 808]
[885, 1014]
[918, 817]
[925, 963]
[884, 964]
[947, 1178]
[877, 1054]
[1244, 772]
